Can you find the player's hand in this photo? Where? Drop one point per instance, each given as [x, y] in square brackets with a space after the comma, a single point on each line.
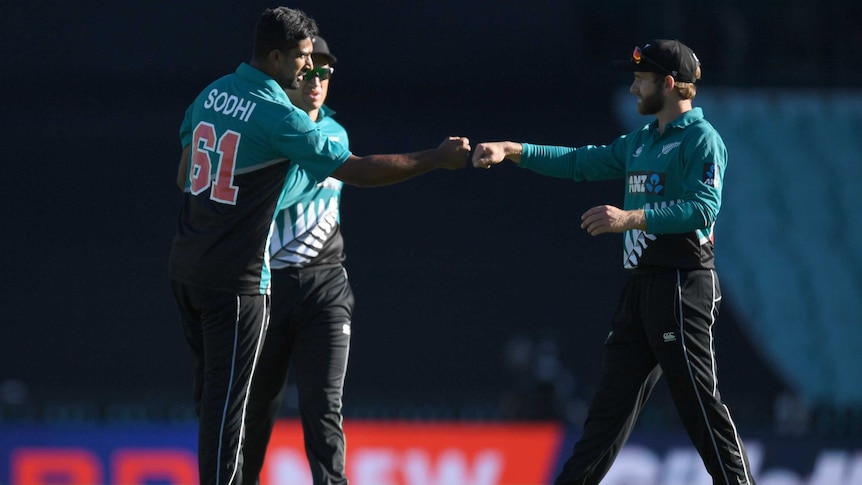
[490, 153]
[607, 218]
[454, 152]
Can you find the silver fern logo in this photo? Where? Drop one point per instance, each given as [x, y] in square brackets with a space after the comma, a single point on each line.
[636, 242]
[670, 146]
[300, 240]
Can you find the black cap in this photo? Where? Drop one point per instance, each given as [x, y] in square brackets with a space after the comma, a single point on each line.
[664, 56]
[321, 49]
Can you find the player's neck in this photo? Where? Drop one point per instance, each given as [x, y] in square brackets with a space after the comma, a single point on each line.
[670, 112]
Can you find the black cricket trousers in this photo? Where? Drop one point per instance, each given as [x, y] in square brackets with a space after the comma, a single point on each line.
[662, 325]
[310, 331]
[225, 332]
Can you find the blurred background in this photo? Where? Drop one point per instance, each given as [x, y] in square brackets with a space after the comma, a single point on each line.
[478, 296]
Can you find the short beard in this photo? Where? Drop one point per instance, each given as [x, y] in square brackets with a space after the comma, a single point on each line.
[294, 84]
[651, 104]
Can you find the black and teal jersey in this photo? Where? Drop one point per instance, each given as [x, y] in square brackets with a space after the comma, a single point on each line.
[676, 177]
[247, 142]
[307, 228]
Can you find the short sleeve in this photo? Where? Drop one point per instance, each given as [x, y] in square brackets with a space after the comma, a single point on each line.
[298, 138]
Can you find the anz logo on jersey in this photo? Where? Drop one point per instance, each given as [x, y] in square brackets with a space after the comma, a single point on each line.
[711, 176]
[646, 183]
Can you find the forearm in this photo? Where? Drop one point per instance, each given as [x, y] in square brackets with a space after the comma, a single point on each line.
[607, 218]
[379, 170]
[513, 151]
[635, 219]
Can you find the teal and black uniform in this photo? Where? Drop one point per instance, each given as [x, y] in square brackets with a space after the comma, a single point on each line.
[244, 132]
[675, 178]
[247, 145]
[312, 307]
[664, 318]
[308, 225]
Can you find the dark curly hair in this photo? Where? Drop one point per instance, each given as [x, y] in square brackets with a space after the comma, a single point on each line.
[281, 28]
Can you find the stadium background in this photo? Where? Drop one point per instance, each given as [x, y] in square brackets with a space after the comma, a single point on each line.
[478, 298]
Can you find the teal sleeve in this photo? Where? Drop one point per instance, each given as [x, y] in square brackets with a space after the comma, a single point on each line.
[553, 161]
[702, 180]
[303, 142]
[678, 219]
[590, 162]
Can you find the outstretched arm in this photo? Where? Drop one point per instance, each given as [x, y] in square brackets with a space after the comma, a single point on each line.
[376, 170]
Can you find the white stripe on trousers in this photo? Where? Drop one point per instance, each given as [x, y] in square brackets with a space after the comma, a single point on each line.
[257, 349]
[714, 378]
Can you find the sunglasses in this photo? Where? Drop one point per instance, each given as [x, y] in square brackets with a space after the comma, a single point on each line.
[318, 72]
[638, 56]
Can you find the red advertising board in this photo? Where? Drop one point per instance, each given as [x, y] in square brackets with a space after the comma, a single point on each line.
[405, 453]
[425, 453]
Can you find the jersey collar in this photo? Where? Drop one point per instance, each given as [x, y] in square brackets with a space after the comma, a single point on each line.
[325, 112]
[685, 119]
[257, 76]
